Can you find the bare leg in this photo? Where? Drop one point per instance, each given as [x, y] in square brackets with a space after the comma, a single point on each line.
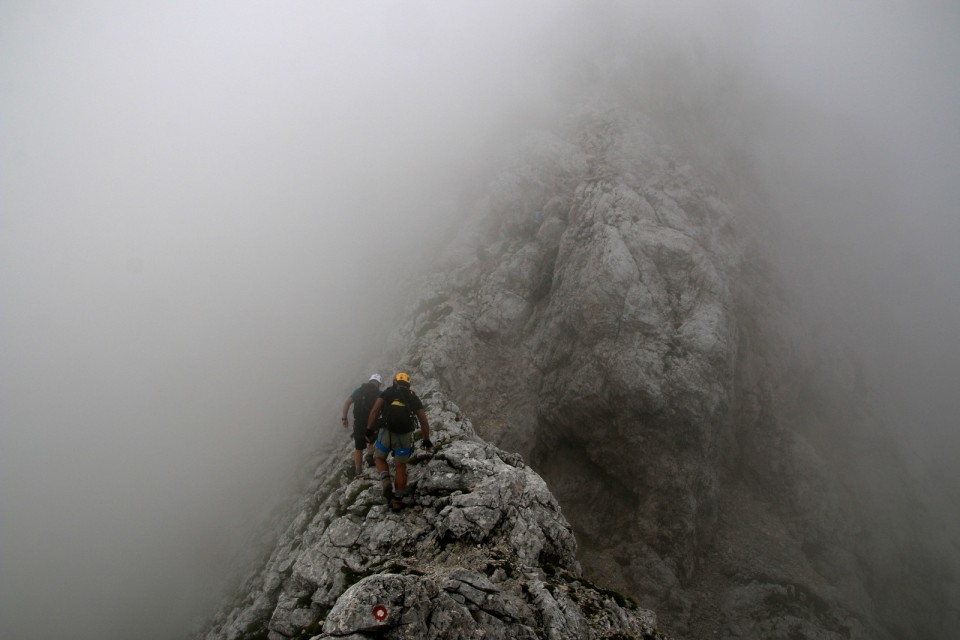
[385, 478]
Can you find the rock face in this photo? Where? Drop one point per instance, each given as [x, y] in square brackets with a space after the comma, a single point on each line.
[606, 316]
[481, 550]
[604, 313]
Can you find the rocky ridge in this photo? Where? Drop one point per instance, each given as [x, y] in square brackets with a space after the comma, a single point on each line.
[481, 550]
[604, 312]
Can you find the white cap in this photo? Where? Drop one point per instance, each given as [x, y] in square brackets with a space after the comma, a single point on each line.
[376, 377]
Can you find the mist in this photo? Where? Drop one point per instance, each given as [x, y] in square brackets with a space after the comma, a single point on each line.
[206, 211]
[861, 154]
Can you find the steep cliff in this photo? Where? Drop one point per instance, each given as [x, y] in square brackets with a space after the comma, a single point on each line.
[605, 313]
[480, 551]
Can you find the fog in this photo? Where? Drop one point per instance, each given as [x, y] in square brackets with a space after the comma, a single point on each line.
[863, 164]
[205, 210]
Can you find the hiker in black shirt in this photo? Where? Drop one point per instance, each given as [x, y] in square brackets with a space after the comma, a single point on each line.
[362, 399]
[400, 410]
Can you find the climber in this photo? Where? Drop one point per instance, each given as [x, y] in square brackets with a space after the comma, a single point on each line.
[400, 410]
[363, 399]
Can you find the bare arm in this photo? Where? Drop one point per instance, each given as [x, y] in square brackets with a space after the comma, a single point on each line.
[424, 425]
[343, 414]
[372, 418]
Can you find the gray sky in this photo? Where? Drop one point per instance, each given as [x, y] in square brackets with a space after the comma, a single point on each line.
[203, 204]
[869, 189]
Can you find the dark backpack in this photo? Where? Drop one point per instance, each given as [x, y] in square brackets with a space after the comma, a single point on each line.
[397, 414]
[363, 406]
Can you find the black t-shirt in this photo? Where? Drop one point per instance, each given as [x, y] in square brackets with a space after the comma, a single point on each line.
[399, 407]
[392, 393]
[363, 398]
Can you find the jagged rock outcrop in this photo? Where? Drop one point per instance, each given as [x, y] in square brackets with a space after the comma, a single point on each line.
[605, 313]
[480, 551]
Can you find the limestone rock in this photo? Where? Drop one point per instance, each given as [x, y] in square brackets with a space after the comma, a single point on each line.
[610, 317]
[607, 318]
[481, 550]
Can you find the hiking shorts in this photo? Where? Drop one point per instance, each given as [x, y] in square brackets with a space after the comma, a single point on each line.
[359, 436]
[400, 444]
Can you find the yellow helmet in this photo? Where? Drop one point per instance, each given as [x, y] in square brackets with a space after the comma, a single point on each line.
[402, 378]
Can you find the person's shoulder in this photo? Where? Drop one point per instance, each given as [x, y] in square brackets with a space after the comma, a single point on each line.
[360, 391]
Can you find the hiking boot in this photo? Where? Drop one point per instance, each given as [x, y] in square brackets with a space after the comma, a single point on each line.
[388, 492]
[396, 505]
[358, 472]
